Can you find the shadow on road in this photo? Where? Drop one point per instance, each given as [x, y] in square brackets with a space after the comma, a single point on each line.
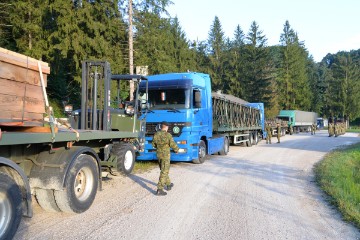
[143, 183]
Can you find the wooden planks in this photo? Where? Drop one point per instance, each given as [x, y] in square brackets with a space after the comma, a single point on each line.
[21, 97]
[22, 61]
[20, 74]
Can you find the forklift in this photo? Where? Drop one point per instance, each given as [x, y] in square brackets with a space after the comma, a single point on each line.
[101, 111]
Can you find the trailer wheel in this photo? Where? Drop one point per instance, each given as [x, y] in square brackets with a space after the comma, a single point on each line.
[81, 185]
[202, 153]
[283, 132]
[256, 138]
[125, 157]
[250, 140]
[46, 200]
[10, 206]
[225, 149]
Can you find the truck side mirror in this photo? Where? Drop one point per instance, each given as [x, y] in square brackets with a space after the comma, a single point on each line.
[197, 99]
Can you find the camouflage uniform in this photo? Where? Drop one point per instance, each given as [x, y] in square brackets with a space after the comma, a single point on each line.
[336, 129]
[278, 129]
[331, 129]
[163, 141]
[291, 130]
[268, 134]
[313, 129]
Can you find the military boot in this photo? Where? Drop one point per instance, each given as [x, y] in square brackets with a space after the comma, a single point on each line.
[170, 186]
[160, 192]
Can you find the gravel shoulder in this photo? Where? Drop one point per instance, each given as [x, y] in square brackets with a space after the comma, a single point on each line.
[261, 192]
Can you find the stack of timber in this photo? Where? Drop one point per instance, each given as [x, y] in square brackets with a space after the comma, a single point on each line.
[21, 97]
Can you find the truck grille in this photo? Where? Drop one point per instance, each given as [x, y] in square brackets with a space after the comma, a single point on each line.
[151, 128]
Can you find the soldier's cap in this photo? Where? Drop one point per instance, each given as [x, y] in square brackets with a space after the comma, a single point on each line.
[164, 123]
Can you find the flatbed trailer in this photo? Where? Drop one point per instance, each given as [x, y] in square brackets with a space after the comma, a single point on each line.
[273, 124]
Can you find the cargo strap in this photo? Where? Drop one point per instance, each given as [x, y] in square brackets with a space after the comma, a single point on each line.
[76, 132]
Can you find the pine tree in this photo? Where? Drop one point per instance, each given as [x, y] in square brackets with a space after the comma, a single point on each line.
[235, 68]
[293, 85]
[216, 48]
[343, 85]
[258, 67]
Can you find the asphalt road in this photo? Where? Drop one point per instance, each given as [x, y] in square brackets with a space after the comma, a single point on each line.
[259, 192]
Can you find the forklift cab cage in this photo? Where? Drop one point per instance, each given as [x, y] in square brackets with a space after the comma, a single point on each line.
[95, 74]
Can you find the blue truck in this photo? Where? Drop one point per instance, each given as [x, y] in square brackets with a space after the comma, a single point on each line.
[202, 122]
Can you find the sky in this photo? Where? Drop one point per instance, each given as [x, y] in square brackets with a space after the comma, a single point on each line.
[325, 26]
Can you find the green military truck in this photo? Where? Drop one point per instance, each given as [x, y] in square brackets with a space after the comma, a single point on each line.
[299, 121]
[62, 167]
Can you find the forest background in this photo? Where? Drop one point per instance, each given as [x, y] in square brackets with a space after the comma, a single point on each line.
[284, 76]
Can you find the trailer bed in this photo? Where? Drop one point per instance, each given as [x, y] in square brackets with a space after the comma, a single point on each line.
[63, 135]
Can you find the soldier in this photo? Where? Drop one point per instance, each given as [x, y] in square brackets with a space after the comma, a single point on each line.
[163, 141]
[331, 129]
[268, 133]
[278, 130]
[313, 129]
[291, 129]
[336, 129]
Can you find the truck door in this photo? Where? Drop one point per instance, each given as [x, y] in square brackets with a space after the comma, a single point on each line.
[201, 112]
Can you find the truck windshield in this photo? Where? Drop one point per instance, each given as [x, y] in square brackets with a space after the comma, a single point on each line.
[168, 99]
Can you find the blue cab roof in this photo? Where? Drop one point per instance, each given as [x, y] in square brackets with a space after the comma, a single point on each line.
[176, 80]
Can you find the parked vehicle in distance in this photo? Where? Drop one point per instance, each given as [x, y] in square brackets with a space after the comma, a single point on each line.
[300, 121]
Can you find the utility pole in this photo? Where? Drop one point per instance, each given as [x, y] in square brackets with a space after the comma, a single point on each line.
[131, 50]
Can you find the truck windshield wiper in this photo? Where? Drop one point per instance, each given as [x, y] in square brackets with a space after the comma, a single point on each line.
[148, 110]
[173, 110]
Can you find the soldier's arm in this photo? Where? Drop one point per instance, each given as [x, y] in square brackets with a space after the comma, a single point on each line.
[173, 144]
[154, 141]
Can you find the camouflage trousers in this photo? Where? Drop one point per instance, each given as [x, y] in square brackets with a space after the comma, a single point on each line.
[164, 179]
[268, 138]
[278, 137]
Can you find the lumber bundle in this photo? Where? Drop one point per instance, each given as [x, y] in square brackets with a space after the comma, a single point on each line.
[21, 98]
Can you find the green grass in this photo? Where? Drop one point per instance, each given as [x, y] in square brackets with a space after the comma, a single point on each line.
[144, 166]
[339, 176]
[353, 129]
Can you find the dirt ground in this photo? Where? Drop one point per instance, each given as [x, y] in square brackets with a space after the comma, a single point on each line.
[259, 192]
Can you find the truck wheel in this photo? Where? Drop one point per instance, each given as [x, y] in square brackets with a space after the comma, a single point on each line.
[225, 149]
[81, 185]
[10, 206]
[46, 200]
[202, 153]
[125, 157]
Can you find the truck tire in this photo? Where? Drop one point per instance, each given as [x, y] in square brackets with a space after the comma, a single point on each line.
[256, 138]
[202, 153]
[81, 185]
[225, 149]
[10, 206]
[125, 154]
[46, 200]
[250, 140]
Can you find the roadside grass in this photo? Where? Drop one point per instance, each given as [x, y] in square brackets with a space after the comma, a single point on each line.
[353, 129]
[338, 174]
[144, 166]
